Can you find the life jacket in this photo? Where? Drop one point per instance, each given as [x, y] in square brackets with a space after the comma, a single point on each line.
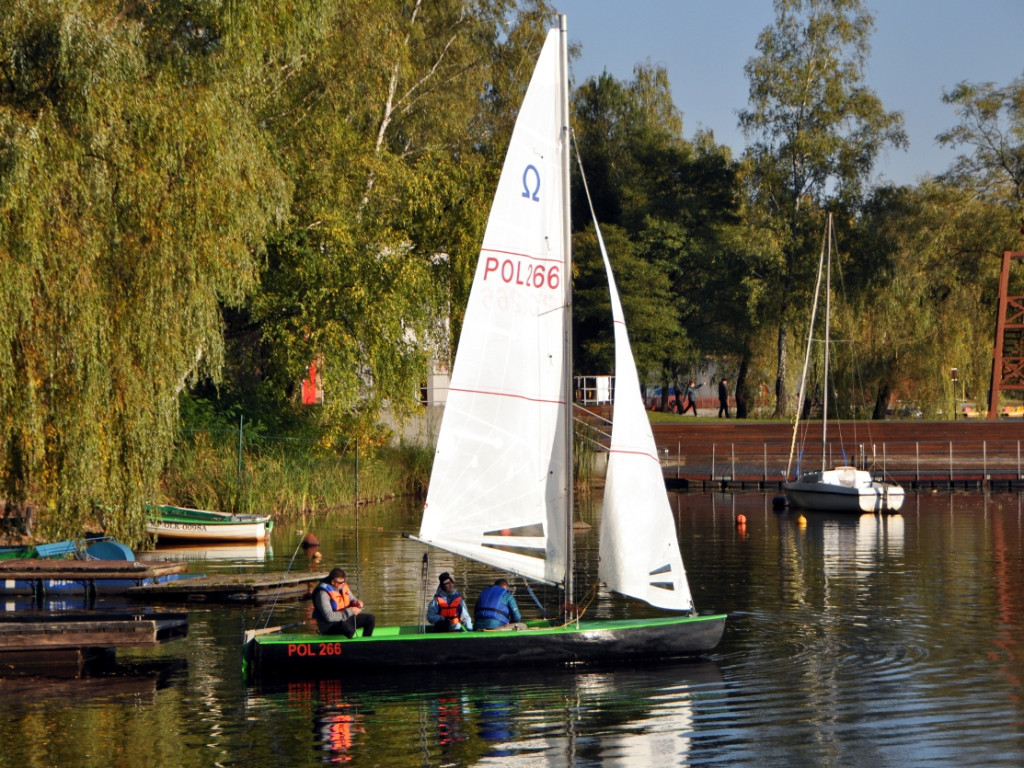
[490, 605]
[340, 600]
[450, 608]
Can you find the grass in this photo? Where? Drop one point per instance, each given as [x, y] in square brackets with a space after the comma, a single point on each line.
[291, 479]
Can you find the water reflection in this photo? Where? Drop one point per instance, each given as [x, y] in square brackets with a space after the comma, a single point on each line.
[852, 641]
[622, 716]
[217, 554]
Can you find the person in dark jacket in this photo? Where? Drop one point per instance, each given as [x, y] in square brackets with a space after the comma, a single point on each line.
[723, 398]
[447, 611]
[336, 609]
[690, 398]
[496, 607]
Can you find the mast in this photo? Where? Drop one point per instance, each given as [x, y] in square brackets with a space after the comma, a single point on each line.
[807, 355]
[828, 318]
[563, 58]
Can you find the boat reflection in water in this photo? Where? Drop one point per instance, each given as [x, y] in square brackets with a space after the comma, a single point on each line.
[639, 716]
[222, 552]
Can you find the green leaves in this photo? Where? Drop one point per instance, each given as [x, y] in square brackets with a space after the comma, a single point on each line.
[666, 208]
[133, 204]
[816, 131]
[991, 127]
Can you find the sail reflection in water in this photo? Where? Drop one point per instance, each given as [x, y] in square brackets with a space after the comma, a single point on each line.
[632, 716]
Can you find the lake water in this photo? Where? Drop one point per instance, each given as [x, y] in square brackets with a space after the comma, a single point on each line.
[851, 641]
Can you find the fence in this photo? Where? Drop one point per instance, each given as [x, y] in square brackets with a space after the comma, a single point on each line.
[972, 464]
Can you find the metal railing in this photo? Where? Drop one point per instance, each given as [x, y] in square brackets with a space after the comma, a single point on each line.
[971, 463]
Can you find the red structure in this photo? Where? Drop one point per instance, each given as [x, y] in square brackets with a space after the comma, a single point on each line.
[1008, 352]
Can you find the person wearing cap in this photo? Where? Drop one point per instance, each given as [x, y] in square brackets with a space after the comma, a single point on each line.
[336, 609]
[447, 611]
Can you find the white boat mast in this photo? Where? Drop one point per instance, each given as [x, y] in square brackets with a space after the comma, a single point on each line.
[828, 337]
[570, 558]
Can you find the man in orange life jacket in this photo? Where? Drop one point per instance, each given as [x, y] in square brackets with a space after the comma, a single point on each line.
[336, 609]
[447, 610]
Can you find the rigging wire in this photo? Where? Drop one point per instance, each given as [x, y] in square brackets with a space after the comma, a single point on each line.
[268, 609]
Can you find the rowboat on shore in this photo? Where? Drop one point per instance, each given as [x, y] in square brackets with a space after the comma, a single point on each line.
[186, 524]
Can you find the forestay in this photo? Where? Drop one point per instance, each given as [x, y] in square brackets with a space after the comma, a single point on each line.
[498, 489]
[639, 546]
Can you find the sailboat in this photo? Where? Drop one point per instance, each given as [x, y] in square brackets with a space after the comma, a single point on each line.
[501, 488]
[844, 488]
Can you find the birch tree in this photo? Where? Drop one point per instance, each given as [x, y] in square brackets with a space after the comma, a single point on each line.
[816, 131]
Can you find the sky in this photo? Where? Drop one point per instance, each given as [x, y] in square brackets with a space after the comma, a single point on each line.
[919, 49]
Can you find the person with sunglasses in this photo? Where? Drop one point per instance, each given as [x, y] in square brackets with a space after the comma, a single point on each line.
[336, 609]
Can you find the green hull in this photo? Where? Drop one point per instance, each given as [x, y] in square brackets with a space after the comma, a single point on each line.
[305, 655]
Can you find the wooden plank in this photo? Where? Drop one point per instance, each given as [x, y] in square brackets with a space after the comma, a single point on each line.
[232, 587]
[24, 631]
[88, 569]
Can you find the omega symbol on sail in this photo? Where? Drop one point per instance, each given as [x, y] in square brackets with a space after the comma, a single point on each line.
[531, 183]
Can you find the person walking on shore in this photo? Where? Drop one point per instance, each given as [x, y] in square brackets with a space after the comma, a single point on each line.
[690, 398]
[723, 398]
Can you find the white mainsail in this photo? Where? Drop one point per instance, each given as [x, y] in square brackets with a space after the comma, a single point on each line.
[639, 546]
[498, 489]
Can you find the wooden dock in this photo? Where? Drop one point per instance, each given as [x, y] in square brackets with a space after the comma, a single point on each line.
[709, 454]
[230, 588]
[43, 577]
[41, 642]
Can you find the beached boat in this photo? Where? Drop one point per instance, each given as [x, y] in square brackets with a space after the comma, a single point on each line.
[501, 486]
[55, 549]
[845, 488]
[168, 522]
[90, 567]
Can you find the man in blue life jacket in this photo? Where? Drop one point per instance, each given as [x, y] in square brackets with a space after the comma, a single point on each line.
[336, 609]
[496, 607]
[447, 611]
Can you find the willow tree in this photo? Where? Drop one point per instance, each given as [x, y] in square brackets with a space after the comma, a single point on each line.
[936, 249]
[816, 131]
[136, 189]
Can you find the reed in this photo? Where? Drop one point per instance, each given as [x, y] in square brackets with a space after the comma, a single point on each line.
[290, 478]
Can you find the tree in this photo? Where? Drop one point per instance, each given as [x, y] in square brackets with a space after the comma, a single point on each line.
[673, 201]
[991, 125]
[136, 192]
[816, 131]
[394, 163]
[918, 265]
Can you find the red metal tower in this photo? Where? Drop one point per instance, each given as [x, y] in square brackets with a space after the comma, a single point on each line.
[1008, 352]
